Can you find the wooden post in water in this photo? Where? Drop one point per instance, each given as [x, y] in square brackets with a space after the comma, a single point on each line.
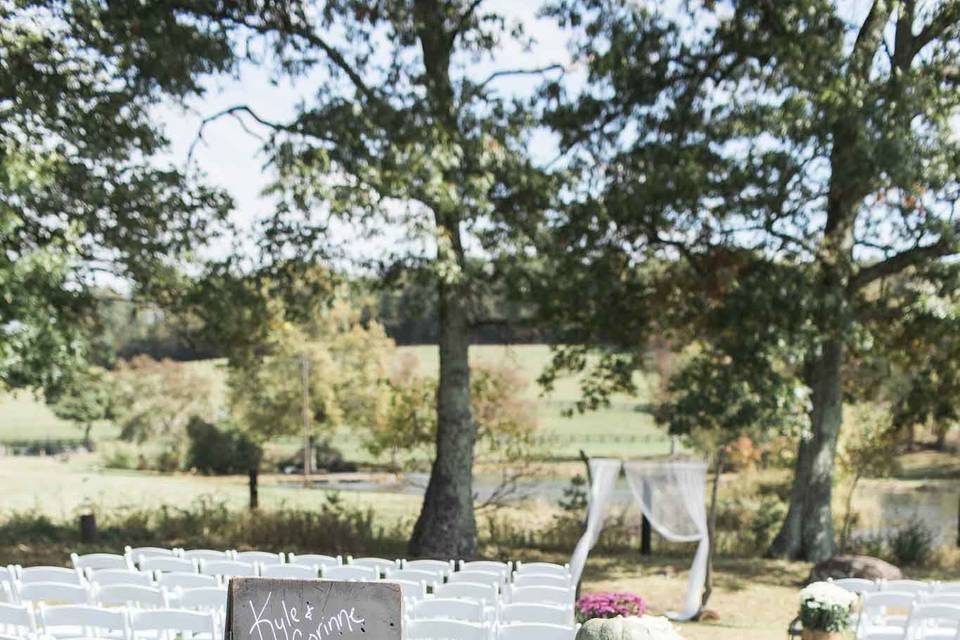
[305, 413]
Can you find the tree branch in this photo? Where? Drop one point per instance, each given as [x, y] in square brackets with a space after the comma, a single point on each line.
[868, 38]
[464, 19]
[947, 18]
[233, 112]
[520, 72]
[903, 260]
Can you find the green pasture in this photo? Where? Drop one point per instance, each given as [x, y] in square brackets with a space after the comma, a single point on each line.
[624, 429]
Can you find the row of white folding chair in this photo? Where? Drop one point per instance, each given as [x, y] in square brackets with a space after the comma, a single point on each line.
[478, 611]
[65, 620]
[863, 585]
[442, 629]
[140, 596]
[913, 619]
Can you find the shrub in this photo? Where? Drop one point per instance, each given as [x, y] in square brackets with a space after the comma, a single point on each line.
[214, 451]
[912, 543]
[609, 605]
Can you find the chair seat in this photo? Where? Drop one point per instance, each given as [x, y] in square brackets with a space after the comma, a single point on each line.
[881, 632]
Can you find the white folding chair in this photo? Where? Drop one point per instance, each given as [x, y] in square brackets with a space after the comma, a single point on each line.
[542, 595]
[933, 621]
[445, 630]
[350, 572]
[535, 631]
[544, 568]
[168, 624]
[295, 571]
[204, 598]
[883, 615]
[59, 592]
[167, 563]
[314, 559]
[446, 567]
[132, 595]
[259, 557]
[541, 580]
[179, 580]
[482, 577]
[17, 620]
[856, 585]
[105, 577]
[380, 564]
[135, 553]
[472, 590]
[449, 609]
[51, 574]
[206, 554]
[228, 568]
[416, 575]
[100, 561]
[75, 621]
[940, 587]
[540, 613]
[907, 586]
[411, 590]
[503, 568]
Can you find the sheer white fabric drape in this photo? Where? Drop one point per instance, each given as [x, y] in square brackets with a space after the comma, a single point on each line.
[603, 474]
[671, 496]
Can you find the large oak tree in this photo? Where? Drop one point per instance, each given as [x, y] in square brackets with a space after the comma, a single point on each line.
[760, 172]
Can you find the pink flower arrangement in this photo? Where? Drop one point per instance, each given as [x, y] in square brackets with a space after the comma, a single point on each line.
[609, 605]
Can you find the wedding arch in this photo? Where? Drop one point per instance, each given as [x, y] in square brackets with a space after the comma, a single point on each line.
[671, 494]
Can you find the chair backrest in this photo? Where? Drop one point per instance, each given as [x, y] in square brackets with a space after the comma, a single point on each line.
[875, 606]
[535, 631]
[416, 575]
[296, 571]
[227, 568]
[135, 553]
[91, 619]
[350, 572]
[925, 618]
[449, 608]
[314, 559]
[167, 563]
[380, 564]
[857, 585]
[51, 574]
[8, 574]
[541, 580]
[542, 595]
[206, 554]
[473, 590]
[483, 577]
[132, 595]
[53, 592]
[544, 568]
[411, 589]
[104, 577]
[941, 587]
[16, 619]
[445, 630]
[259, 557]
[502, 568]
[945, 597]
[529, 612]
[173, 623]
[443, 566]
[911, 586]
[177, 579]
[206, 598]
[100, 561]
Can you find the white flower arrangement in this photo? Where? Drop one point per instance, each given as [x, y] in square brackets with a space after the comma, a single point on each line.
[825, 607]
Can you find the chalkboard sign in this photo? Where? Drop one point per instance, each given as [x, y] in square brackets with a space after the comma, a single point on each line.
[279, 609]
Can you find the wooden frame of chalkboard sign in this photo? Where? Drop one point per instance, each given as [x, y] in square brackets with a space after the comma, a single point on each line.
[282, 609]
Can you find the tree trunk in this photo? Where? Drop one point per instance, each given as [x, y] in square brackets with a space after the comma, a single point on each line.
[711, 533]
[807, 531]
[446, 527]
[253, 476]
[87, 443]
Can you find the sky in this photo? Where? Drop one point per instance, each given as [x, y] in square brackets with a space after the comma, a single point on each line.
[232, 158]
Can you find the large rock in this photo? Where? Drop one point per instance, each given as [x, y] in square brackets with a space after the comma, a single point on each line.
[854, 567]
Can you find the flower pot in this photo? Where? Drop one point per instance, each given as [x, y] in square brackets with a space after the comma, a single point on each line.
[811, 634]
